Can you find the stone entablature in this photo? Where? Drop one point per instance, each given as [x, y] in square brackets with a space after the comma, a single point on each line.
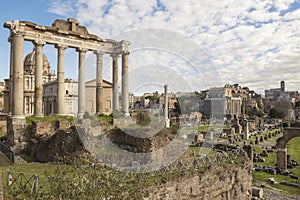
[67, 33]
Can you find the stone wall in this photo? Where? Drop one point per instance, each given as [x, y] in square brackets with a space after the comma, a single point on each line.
[227, 181]
[48, 128]
[141, 145]
[61, 144]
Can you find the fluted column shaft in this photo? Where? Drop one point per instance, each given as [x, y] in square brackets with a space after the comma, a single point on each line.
[115, 82]
[125, 95]
[18, 75]
[11, 71]
[60, 80]
[38, 87]
[99, 83]
[81, 83]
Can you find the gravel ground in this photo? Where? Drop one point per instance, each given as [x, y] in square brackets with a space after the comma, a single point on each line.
[273, 194]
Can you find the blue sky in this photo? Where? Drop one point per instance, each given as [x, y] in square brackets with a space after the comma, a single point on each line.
[254, 43]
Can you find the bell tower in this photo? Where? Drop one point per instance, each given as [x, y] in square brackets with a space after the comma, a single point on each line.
[282, 86]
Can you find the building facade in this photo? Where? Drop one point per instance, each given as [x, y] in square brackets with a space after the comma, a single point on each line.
[71, 97]
[226, 101]
[29, 82]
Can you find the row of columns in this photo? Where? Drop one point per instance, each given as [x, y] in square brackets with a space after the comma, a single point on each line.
[17, 76]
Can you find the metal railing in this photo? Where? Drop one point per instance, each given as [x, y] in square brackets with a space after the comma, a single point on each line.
[9, 154]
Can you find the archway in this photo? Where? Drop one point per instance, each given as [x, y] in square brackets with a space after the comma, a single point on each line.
[281, 143]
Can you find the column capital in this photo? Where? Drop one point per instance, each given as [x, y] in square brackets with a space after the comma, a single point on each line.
[16, 27]
[80, 50]
[115, 55]
[38, 42]
[126, 53]
[61, 46]
[17, 34]
[99, 52]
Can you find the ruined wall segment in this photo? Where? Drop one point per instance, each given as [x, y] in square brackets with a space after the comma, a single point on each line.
[219, 182]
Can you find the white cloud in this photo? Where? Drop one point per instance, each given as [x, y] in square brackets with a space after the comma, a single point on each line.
[248, 42]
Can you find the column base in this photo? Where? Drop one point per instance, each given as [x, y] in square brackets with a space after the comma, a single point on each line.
[15, 130]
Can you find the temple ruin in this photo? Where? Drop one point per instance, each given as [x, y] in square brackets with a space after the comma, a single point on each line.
[62, 34]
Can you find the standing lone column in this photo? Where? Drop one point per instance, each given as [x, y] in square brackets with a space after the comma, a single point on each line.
[38, 88]
[81, 83]
[115, 82]
[166, 108]
[18, 76]
[125, 95]
[99, 83]
[60, 80]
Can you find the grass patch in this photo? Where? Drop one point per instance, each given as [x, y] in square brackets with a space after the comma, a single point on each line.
[106, 119]
[263, 176]
[293, 148]
[269, 161]
[202, 149]
[30, 119]
[264, 133]
[95, 120]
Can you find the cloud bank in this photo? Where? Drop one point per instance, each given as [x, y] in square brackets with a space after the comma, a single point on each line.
[254, 43]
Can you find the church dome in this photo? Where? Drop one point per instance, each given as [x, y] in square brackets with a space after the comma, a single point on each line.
[29, 63]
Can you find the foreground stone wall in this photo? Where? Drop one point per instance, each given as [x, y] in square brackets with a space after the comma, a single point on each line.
[227, 181]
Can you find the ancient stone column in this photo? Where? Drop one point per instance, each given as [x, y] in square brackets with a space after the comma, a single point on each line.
[81, 83]
[11, 71]
[125, 93]
[282, 158]
[60, 80]
[245, 129]
[115, 82]
[166, 108]
[16, 121]
[38, 88]
[18, 75]
[99, 83]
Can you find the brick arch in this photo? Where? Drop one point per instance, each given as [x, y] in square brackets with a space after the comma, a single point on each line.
[288, 134]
